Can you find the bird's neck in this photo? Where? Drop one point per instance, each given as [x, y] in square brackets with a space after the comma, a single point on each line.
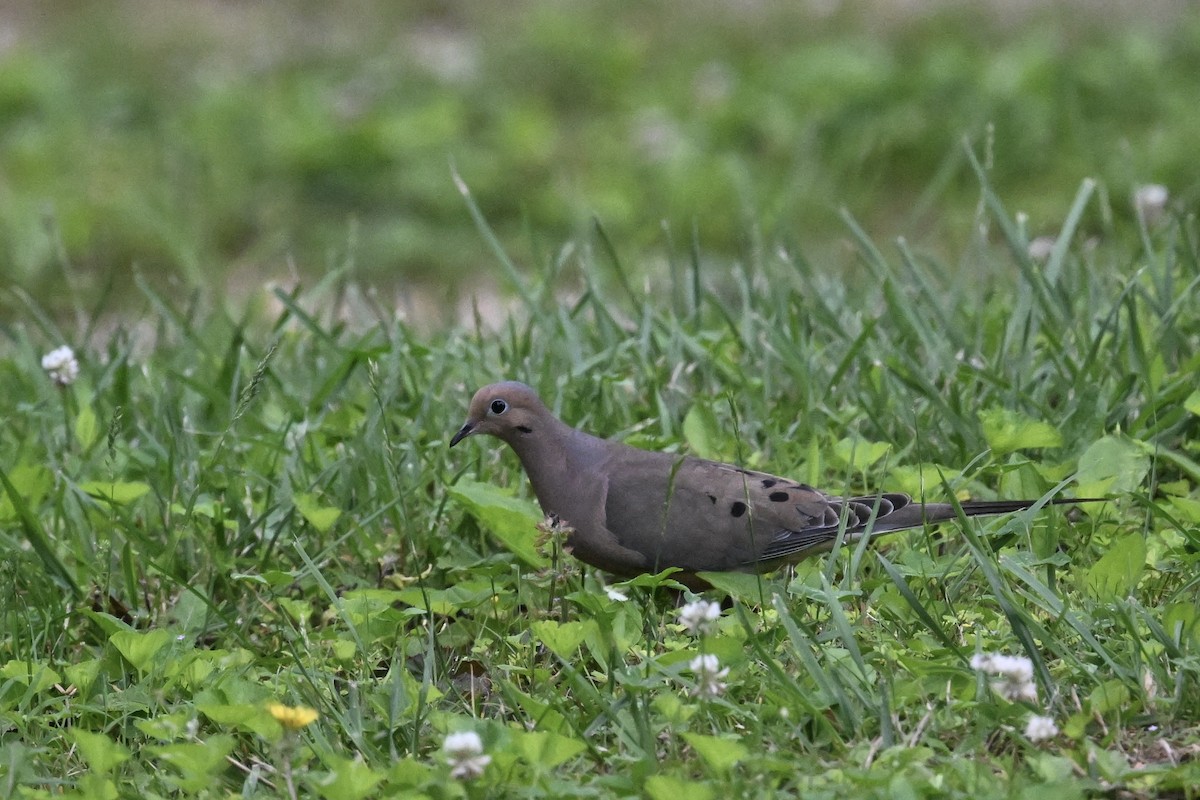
[557, 456]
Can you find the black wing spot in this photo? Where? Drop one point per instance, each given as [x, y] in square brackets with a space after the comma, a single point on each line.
[524, 429]
[778, 497]
[737, 509]
[769, 482]
[713, 499]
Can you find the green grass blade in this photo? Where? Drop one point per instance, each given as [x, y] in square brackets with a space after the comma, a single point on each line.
[39, 540]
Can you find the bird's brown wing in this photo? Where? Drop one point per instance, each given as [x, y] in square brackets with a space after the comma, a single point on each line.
[873, 512]
[704, 515]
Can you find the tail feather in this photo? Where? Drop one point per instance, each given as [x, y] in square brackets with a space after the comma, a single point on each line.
[899, 513]
[915, 514]
[976, 508]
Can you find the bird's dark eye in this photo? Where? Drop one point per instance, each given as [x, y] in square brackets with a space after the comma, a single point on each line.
[498, 407]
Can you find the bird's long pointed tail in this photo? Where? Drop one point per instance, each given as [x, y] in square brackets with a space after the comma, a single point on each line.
[975, 508]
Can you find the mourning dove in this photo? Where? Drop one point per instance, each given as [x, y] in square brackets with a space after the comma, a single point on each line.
[635, 511]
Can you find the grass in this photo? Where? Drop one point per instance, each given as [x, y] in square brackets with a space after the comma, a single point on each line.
[196, 143]
[224, 513]
[235, 516]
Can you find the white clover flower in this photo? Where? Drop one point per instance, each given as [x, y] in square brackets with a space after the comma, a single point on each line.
[656, 135]
[699, 617]
[1018, 668]
[709, 675]
[615, 594]
[1041, 248]
[61, 365]
[1016, 690]
[1151, 201]
[464, 753]
[1014, 673]
[1039, 728]
[1015, 668]
[713, 84]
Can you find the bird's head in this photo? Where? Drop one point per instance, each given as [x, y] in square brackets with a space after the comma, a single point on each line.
[508, 411]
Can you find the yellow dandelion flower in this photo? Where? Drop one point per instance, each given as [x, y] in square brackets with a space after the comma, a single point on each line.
[292, 717]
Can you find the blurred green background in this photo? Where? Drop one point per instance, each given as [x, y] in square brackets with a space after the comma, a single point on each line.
[218, 145]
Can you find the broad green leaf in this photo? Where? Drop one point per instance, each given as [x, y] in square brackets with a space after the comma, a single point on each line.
[511, 520]
[1186, 507]
[1044, 540]
[30, 673]
[1112, 465]
[729, 650]
[1109, 696]
[83, 674]
[562, 638]
[625, 630]
[1118, 571]
[673, 709]
[443, 601]
[271, 577]
[701, 431]
[204, 507]
[1110, 764]
[166, 727]
[408, 772]
[31, 482]
[191, 669]
[1052, 768]
[370, 601]
[901, 788]
[296, 609]
[1076, 725]
[99, 751]
[38, 538]
[736, 584]
[1192, 403]
[859, 454]
[343, 421]
[95, 787]
[116, 492]
[434, 600]
[1181, 623]
[720, 753]
[654, 580]
[348, 779]
[107, 623]
[548, 749]
[196, 762]
[1007, 431]
[548, 719]
[249, 716]
[86, 428]
[670, 787]
[140, 648]
[319, 516]
[343, 649]
[921, 480]
[191, 613]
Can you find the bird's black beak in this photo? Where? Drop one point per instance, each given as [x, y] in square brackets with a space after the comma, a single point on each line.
[466, 430]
